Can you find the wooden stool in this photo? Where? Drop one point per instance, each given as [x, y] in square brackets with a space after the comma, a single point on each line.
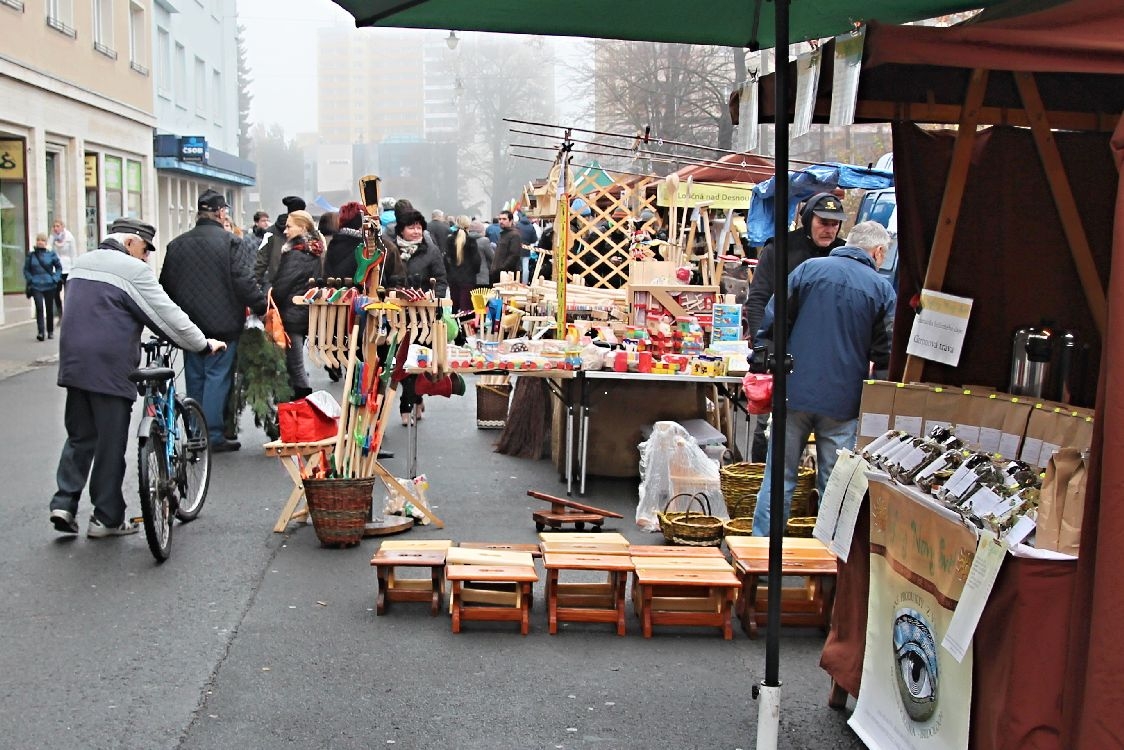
[611, 537]
[718, 585]
[493, 593]
[586, 602]
[808, 604]
[531, 549]
[522, 576]
[675, 597]
[592, 548]
[293, 457]
[393, 589]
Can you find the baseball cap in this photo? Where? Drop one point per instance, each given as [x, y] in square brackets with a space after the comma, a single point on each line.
[827, 206]
[211, 200]
[125, 225]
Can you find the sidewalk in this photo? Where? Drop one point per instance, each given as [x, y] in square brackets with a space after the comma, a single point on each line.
[19, 351]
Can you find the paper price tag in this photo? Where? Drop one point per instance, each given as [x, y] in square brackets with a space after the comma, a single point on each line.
[990, 553]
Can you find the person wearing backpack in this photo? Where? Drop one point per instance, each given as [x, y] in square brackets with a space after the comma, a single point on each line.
[42, 270]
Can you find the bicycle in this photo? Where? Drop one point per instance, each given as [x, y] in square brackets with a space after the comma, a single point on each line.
[173, 449]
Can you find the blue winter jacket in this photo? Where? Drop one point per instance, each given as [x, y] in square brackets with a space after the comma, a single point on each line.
[841, 318]
[42, 270]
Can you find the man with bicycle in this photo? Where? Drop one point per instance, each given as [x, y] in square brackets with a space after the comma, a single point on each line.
[112, 295]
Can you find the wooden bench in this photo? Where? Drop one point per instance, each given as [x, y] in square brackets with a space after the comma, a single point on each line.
[714, 585]
[586, 602]
[394, 589]
[808, 604]
[522, 576]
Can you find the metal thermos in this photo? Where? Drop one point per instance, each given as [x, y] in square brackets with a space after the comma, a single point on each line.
[1068, 366]
[1030, 361]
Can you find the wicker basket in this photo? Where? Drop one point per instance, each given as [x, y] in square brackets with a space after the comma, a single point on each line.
[741, 482]
[800, 526]
[692, 529]
[740, 526]
[339, 508]
[491, 405]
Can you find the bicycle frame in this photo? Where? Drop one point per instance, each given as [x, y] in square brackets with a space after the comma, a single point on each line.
[160, 407]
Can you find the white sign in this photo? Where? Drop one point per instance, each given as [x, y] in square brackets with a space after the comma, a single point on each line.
[939, 328]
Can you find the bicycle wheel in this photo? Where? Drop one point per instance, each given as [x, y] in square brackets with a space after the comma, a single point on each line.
[191, 459]
[155, 508]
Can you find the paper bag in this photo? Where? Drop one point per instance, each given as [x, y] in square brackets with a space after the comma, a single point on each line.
[909, 408]
[876, 410]
[1052, 499]
[1069, 538]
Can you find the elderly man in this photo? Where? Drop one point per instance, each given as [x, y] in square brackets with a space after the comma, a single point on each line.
[842, 315]
[111, 296]
[208, 272]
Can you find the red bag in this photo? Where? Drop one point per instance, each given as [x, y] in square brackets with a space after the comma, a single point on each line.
[301, 422]
[758, 389]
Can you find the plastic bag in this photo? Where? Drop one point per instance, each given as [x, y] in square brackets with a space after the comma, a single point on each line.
[758, 388]
[274, 328]
[671, 463]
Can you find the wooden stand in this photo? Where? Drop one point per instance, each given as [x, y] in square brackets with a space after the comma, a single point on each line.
[586, 602]
[293, 456]
[808, 604]
[392, 589]
[564, 511]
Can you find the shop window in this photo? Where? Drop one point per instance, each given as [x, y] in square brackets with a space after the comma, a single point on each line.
[134, 182]
[93, 227]
[103, 28]
[13, 211]
[138, 39]
[114, 180]
[60, 16]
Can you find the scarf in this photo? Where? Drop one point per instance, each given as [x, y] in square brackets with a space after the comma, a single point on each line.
[305, 244]
[407, 248]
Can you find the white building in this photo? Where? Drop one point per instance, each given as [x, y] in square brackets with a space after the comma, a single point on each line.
[195, 81]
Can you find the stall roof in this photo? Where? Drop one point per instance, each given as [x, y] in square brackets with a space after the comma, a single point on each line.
[743, 167]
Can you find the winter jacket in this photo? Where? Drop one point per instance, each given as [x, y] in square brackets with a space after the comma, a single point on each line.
[440, 230]
[464, 274]
[42, 270]
[296, 267]
[800, 249]
[339, 258]
[508, 252]
[841, 313]
[426, 263]
[486, 253]
[110, 298]
[207, 272]
[269, 252]
[527, 233]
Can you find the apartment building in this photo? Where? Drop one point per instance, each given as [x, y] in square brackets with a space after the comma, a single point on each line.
[76, 121]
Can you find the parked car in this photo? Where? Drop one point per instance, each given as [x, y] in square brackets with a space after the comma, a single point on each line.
[882, 206]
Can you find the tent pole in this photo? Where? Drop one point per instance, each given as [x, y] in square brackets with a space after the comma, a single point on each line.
[768, 716]
[953, 196]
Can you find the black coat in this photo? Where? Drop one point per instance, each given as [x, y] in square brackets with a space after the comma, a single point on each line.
[464, 274]
[426, 263]
[293, 272]
[508, 252]
[339, 258]
[800, 249]
[207, 272]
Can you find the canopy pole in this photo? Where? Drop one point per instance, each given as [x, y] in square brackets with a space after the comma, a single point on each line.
[953, 196]
[1063, 199]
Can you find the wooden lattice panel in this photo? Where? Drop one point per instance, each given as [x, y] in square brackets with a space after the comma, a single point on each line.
[602, 252]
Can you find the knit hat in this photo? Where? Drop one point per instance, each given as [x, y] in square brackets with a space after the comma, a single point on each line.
[351, 215]
[293, 203]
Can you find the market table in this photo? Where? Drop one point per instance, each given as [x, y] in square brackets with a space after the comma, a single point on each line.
[1016, 692]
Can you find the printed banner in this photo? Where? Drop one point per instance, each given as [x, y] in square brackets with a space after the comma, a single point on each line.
[719, 195]
[915, 695]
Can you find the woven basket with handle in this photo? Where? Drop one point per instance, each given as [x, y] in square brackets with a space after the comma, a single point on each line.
[692, 529]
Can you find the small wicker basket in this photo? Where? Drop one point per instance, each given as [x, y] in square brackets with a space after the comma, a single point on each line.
[741, 526]
[741, 482]
[492, 401]
[800, 526]
[698, 529]
[339, 509]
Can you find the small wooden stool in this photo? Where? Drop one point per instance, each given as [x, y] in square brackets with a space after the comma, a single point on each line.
[592, 548]
[675, 598]
[809, 604]
[609, 537]
[719, 585]
[293, 457]
[491, 592]
[532, 549]
[522, 576]
[586, 602]
[393, 589]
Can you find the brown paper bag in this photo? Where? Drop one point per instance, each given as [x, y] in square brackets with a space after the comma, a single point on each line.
[1043, 436]
[943, 407]
[1069, 537]
[992, 410]
[909, 408]
[1016, 414]
[876, 410]
[1052, 498]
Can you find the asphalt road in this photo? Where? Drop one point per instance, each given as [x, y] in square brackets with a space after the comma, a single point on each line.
[249, 639]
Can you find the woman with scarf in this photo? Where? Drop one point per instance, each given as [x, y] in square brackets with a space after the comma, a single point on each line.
[418, 261]
[300, 261]
[462, 260]
[42, 271]
[62, 242]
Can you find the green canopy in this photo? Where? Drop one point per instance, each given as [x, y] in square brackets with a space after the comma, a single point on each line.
[731, 23]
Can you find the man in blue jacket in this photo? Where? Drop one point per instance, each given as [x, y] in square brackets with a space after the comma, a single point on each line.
[841, 317]
[111, 296]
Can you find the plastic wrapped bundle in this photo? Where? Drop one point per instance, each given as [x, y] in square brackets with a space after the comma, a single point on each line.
[671, 462]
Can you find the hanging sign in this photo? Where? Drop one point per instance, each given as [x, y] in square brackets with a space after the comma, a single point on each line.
[845, 76]
[718, 195]
[11, 160]
[193, 148]
[807, 82]
[939, 327]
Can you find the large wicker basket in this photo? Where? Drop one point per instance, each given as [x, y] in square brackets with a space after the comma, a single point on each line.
[491, 405]
[339, 509]
[740, 483]
[692, 529]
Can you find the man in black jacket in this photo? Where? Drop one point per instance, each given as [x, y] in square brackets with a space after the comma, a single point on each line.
[207, 272]
[818, 234]
[509, 249]
[273, 239]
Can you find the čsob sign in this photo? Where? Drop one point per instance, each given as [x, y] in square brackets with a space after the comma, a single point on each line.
[193, 148]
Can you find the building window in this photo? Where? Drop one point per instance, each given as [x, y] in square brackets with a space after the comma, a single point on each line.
[103, 28]
[13, 211]
[138, 47]
[60, 16]
[114, 200]
[134, 183]
[17, 4]
[163, 62]
[180, 80]
[216, 97]
[200, 87]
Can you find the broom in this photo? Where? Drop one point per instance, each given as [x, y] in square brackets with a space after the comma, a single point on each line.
[525, 429]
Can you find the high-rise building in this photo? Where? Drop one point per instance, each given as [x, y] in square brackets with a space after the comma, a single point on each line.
[76, 128]
[195, 72]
